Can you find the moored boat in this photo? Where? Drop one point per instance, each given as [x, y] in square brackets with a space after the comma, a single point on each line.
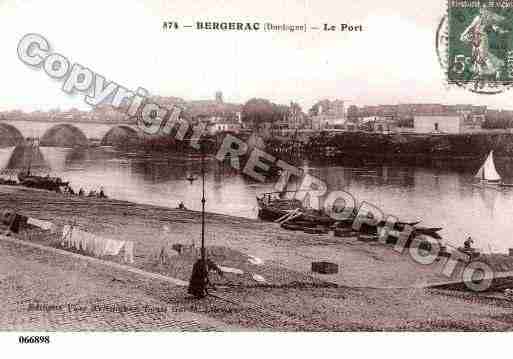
[42, 182]
[274, 208]
[292, 215]
[27, 179]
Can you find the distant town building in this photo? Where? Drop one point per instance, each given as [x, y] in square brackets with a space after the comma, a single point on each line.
[292, 118]
[352, 114]
[255, 141]
[438, 123]
[381, 124]
[327, 114]
[419, 117]
[409, 109]
[209, 108]
[295, 116]
[219, 97]
[65, 116]
[468, 109]
[223, 124]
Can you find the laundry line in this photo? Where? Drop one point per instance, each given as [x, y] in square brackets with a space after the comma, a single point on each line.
[73, 237]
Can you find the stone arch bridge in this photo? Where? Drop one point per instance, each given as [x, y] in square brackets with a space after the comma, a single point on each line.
[66, 134]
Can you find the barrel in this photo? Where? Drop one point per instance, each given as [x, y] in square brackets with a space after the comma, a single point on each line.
[344, 232]
[367, 238]
[324, 267]
[316, 230]
[7, 216]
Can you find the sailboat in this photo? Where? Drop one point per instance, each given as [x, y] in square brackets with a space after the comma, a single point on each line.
[487, 173]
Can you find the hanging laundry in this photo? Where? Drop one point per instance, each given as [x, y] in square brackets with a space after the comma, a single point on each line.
[56, 229]
[129, 252]
[66, 236]
[96, 245]
[231, 270]
[99, 245]
[259, 278]
[45, 225]
[255, 260]
[87, 242]
[113, 246]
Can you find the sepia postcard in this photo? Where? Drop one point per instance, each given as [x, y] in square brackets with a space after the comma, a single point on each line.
[235, 166]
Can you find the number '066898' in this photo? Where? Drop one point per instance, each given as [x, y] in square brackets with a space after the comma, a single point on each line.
[34, 339]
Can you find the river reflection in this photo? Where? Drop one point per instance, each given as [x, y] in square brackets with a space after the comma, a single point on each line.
[440, 196]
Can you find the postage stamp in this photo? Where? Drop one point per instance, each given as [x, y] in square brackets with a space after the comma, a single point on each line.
[480, 44]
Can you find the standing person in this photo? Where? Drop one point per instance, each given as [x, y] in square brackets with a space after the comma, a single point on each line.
[468, 243]
[199, 280]
[164, 250]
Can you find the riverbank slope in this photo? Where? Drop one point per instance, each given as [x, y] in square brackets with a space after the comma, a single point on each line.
[377, 288]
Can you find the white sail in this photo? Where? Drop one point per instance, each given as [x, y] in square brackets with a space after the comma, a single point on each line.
[487, 172]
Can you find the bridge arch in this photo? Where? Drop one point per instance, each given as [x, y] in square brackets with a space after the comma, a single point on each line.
[121, 134]
[64, 135]
[10, 135]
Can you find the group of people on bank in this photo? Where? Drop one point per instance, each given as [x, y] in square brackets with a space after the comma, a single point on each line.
[81, 192]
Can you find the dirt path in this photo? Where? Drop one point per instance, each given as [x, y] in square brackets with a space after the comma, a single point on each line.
[42, 291]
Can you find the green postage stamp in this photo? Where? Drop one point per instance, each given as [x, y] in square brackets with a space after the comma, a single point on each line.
[480, 44]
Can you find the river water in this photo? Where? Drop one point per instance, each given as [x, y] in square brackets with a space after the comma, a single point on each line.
[440, 196]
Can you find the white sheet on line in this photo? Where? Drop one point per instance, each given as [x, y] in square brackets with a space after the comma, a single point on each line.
[41, 224]
[231, 270]
[259, 278]
[255, 260]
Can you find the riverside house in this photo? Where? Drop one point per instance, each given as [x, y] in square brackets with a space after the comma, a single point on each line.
[450, 123]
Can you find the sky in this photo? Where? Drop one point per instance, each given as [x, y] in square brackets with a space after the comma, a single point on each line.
[392, 61]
